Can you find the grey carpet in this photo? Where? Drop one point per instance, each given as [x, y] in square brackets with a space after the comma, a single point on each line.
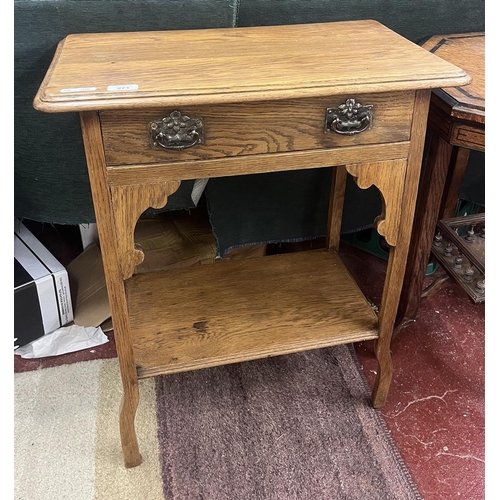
[290, 427]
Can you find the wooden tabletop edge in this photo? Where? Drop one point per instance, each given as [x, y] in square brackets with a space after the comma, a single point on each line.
[38, 101]
[83, 103]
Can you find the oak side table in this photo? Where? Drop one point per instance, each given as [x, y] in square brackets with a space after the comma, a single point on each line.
[456, 126]
[158, 108]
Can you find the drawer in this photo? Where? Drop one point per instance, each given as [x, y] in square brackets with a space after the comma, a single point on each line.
[257, 128]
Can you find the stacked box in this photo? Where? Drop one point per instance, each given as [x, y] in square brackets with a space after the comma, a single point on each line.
[42, 298]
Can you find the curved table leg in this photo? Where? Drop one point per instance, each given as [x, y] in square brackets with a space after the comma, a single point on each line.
[94, 150]
[128, 409]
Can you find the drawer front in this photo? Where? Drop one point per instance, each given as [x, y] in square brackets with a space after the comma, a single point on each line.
[255, 128]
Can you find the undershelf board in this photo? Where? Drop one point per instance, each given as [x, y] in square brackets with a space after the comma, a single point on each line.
[234, 311]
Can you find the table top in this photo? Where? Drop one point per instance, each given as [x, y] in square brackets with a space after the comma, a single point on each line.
[467, 51]
[209, 66]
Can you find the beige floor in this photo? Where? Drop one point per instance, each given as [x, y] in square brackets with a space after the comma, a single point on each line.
[66, 436]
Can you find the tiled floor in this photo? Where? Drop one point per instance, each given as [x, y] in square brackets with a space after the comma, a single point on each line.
[436, 405]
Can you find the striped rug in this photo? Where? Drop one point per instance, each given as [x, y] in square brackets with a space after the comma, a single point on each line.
[290, 427]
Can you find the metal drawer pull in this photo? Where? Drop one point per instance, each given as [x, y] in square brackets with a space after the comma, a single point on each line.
[349, 118]
[176, 131]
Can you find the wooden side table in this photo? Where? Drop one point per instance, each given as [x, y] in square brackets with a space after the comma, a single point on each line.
[160, 107]
[456, 126]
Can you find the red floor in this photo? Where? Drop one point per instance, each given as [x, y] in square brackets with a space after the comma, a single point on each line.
[436, 405]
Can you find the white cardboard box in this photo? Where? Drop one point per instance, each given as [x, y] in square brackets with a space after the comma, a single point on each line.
[42, 297]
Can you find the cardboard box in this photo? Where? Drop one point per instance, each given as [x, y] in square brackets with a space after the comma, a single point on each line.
[88, 288]
[42, 297]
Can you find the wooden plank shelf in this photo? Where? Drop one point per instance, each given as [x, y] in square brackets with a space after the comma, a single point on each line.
[234, 311]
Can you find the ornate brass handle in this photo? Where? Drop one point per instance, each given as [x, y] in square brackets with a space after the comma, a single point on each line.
[349, 118]
[176, 131]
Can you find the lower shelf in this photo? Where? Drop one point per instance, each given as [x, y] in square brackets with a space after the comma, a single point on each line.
[233, 311]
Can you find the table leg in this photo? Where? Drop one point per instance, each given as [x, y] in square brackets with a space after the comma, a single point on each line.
[431, 190]
[94, 152]
[456, 173]
[339, 177]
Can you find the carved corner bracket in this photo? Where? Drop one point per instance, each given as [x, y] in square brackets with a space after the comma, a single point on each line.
[389, 178]
[129, 202]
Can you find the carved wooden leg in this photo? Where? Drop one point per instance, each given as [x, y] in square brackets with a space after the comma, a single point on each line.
[128, 203]
[397, 180]
[94, 150]
[96, 164]
[389, 177]
[387, 315]
[117, 211]
[128, 409]
[399, 253]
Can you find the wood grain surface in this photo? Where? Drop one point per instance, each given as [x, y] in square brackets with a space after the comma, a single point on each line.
[389, 177]
[466, 50]
[255, 128]
[336, 207]
[94, 151]
[470, 137]
[254, 164]
[129, 202]
[234, 311]
[398, 254]
[173, 68]
[467, 130]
